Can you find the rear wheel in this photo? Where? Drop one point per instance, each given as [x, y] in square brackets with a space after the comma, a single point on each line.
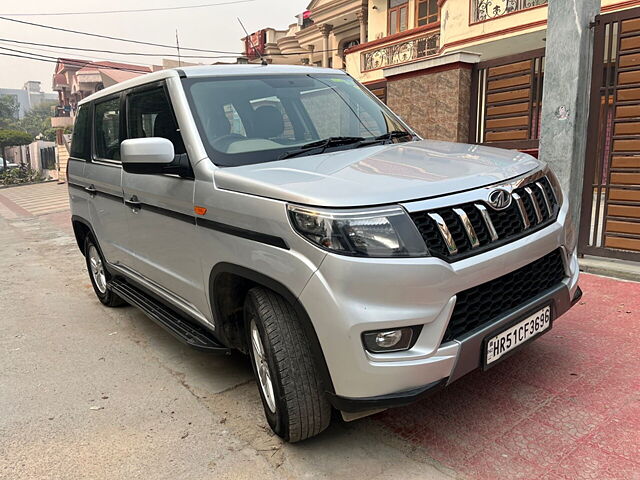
[291, 390]
[99, 275]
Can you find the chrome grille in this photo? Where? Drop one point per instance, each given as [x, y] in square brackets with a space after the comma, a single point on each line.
[458, 231]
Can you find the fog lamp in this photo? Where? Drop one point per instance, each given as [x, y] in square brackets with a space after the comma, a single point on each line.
[394, 340]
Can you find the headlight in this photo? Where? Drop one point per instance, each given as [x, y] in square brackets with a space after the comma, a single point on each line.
[382, 232]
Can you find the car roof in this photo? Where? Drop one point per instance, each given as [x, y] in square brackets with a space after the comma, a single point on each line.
[211, 71]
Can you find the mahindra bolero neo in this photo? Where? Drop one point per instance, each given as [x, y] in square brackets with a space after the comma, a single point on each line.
[287, 213]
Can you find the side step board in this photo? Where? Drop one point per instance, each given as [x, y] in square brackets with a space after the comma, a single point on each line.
[184, 329]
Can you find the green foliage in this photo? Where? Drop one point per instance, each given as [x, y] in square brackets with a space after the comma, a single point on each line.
[38, 120]
[20, 175]
[12, 138]
[9, 108]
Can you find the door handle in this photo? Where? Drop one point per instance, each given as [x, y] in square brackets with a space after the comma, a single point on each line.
[91, 190]
[133, 203]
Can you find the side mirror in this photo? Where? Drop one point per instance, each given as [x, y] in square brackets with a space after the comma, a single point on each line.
[153, 151]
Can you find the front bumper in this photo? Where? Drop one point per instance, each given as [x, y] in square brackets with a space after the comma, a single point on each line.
[348, 296]
[469, 356]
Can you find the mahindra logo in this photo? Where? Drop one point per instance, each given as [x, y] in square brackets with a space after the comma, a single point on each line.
[499, 199]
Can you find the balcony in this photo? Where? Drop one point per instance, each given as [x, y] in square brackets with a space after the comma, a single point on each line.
[394, 50]
[482, 10]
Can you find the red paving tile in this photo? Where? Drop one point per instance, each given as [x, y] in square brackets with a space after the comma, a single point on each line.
[565, 407]
[589, 463]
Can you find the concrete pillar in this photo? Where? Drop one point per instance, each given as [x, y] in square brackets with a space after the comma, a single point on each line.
[565, 100]
[361, 15]
[325, 30]
[441, 111]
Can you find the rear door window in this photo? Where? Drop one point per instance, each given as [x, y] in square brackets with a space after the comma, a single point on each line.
[107, 129]
[81, 139]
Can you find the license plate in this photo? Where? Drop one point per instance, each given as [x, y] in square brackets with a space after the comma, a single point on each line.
[510, 339]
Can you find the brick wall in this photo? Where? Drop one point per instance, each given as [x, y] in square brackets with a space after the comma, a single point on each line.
[435, 103]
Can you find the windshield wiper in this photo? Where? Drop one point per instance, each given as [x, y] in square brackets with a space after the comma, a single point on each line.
[320, 144]
[385, 137]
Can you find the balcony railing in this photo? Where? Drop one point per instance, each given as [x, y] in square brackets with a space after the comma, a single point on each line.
[488, 9]
[401, 52]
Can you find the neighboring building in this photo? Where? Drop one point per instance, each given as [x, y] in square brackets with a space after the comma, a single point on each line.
[75, 79]
[429, 60]
[28, 97]
[39, 155]
[323, 32]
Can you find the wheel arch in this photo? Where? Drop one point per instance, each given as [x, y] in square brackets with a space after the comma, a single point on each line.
[228, 278]
[81, 228]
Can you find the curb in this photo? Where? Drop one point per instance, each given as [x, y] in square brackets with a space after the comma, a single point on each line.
[2, 187]
[619, 269]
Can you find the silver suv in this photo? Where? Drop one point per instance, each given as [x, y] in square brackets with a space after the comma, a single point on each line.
[286, 213]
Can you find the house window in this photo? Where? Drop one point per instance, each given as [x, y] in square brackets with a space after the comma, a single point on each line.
[428, 12]
[398, 16]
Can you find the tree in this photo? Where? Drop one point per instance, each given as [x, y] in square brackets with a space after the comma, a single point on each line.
[38, 121]
[9, 109]
[13, 138]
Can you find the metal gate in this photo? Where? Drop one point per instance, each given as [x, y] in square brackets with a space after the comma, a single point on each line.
[506, 101]
[610, 218]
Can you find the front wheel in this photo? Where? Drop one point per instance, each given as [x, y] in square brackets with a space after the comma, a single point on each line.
[291, 390]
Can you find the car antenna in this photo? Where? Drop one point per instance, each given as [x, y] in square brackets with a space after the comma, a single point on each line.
[264, 61]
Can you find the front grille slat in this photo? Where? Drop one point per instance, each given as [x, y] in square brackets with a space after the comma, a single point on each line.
[485, 303]
[533, 206]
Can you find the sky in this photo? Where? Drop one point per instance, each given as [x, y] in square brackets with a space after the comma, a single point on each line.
[214, 28]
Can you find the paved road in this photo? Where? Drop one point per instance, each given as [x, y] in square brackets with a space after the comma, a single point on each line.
[90, 392]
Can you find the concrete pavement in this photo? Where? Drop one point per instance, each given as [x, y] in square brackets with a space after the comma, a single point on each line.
[91, 392]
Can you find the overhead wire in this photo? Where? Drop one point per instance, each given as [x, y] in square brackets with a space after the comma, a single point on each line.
[78, 55]
[75, 63]
[135, 10]
[141, 42]
[114, 52]
[109, 37]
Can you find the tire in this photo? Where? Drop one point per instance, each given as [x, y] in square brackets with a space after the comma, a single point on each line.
[296, 408]
[99, 275]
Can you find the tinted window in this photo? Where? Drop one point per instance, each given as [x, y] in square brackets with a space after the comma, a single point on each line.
[149, 114]
[81, 139]
[107, 134]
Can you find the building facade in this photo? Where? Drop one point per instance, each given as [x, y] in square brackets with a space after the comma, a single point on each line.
[75, 79]
[28, 97]
[429, 61]
[320, 36]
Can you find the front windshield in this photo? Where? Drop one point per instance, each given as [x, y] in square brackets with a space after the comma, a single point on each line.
[255, 119]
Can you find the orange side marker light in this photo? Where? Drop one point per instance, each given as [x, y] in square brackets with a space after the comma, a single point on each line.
[199, 210]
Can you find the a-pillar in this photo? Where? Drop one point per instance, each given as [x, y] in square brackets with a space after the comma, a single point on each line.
[325, 30]
[565, 100]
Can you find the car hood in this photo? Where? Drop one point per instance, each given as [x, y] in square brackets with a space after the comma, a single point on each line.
[378, 175]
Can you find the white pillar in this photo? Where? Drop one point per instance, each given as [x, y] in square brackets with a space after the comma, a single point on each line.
[361, 15]
[325, 30]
